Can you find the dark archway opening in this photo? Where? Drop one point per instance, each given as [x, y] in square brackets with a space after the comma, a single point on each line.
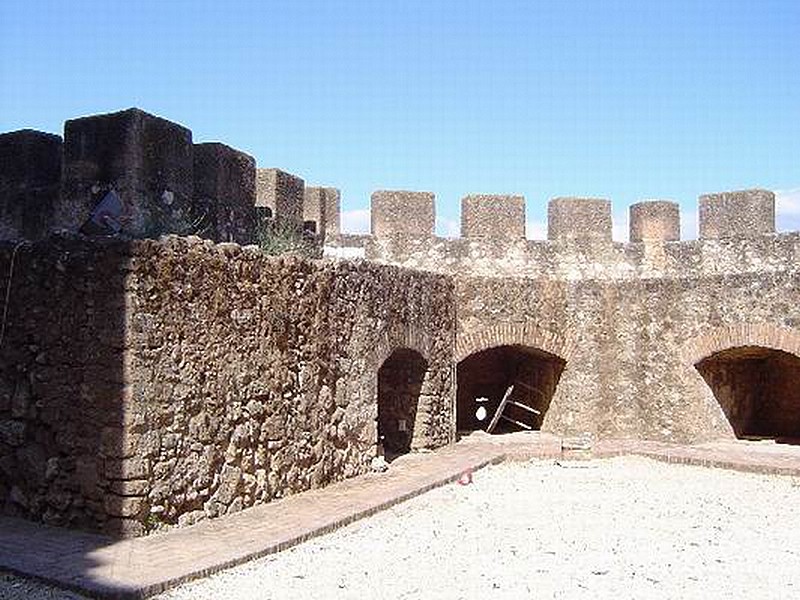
[400, 380]
[758, 389]
[485, 377]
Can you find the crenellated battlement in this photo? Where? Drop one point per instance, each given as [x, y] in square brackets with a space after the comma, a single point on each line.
[501, 218]
[493, 217]
[746, 213]
[579, 243]
[127, 360]
[655, 221]
[139, 175]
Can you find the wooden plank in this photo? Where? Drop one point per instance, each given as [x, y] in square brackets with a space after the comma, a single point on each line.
[524, 407]
[500, 409]
[515, 422]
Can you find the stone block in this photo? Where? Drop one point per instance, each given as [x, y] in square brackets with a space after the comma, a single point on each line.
[655, 220]
[331, 207]
[224, 193]
[493, 217]
[746, 213]
[402, 213]
[281, 193]
[313, 212]
[147, 161]
[30, 179]
[321, 207]
[579, 219]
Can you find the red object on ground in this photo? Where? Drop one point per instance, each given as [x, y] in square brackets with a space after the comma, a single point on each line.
[466, 477]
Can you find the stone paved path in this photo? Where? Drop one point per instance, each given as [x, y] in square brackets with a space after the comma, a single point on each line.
[137, 568]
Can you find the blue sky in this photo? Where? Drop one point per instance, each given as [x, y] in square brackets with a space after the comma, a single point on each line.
[616, 99]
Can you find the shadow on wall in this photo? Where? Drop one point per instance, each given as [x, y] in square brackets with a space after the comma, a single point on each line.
[758, 389]
[62, 393]
[400, 382]
[483, 378]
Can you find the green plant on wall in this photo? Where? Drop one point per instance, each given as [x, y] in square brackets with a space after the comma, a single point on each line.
[278, 236]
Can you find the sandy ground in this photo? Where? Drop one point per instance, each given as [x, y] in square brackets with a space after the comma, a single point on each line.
[627, 527]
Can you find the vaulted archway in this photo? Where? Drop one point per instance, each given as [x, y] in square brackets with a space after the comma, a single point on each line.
[400, 382]
[524, 375]
[758, 389]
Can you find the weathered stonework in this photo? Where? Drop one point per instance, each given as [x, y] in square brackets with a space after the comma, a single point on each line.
[224, 193]
[579, 219]
[146, 160]
[281, 193]
[619, 316]
[331, 207]
[748, 213]
[30, 180]
[321, 208]
[148, 383]
[498, 217]
[655, 221]
[402, 213]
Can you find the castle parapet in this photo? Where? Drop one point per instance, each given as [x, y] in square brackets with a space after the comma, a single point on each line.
[280, 195]
[147, 161]
[321, 207]
[30, 176]
[401, 212]
[655, 221]
[579, 219]
[224, 193]
[493, 217]
[746, 213]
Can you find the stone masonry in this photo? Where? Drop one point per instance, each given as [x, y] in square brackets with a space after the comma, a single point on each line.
[155, 382]
[151, 383]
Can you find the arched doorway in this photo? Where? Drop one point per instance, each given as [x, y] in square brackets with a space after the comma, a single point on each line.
[400, 381]
[758, 389]
[526, 377]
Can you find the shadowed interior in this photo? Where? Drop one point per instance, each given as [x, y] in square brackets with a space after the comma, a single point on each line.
[758, 389]
[485, 376]
[400, 380]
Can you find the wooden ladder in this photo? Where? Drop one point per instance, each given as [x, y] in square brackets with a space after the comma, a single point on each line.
[508, 401]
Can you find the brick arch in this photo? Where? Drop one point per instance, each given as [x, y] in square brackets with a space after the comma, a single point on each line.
[737, 335]
[509, 334]
[386, 345]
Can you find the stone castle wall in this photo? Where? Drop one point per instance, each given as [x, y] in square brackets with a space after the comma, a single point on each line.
[163, 181]
[164, 382]
[160, 382]
[619, 314]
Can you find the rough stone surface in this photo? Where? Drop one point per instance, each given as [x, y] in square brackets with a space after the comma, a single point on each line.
[30, 177]
[487, 216]
[146, 160]
[283, 194]
[224, 193]
[332, 211]
[579, 219]
[402, 213]
[321, 207]
[630, 321]
[747, 213]
[143, 383]
[313, 210]
[62, 380]
[148, 383]
[655, 221]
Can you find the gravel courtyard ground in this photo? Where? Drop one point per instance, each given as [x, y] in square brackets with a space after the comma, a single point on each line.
[625, 527]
